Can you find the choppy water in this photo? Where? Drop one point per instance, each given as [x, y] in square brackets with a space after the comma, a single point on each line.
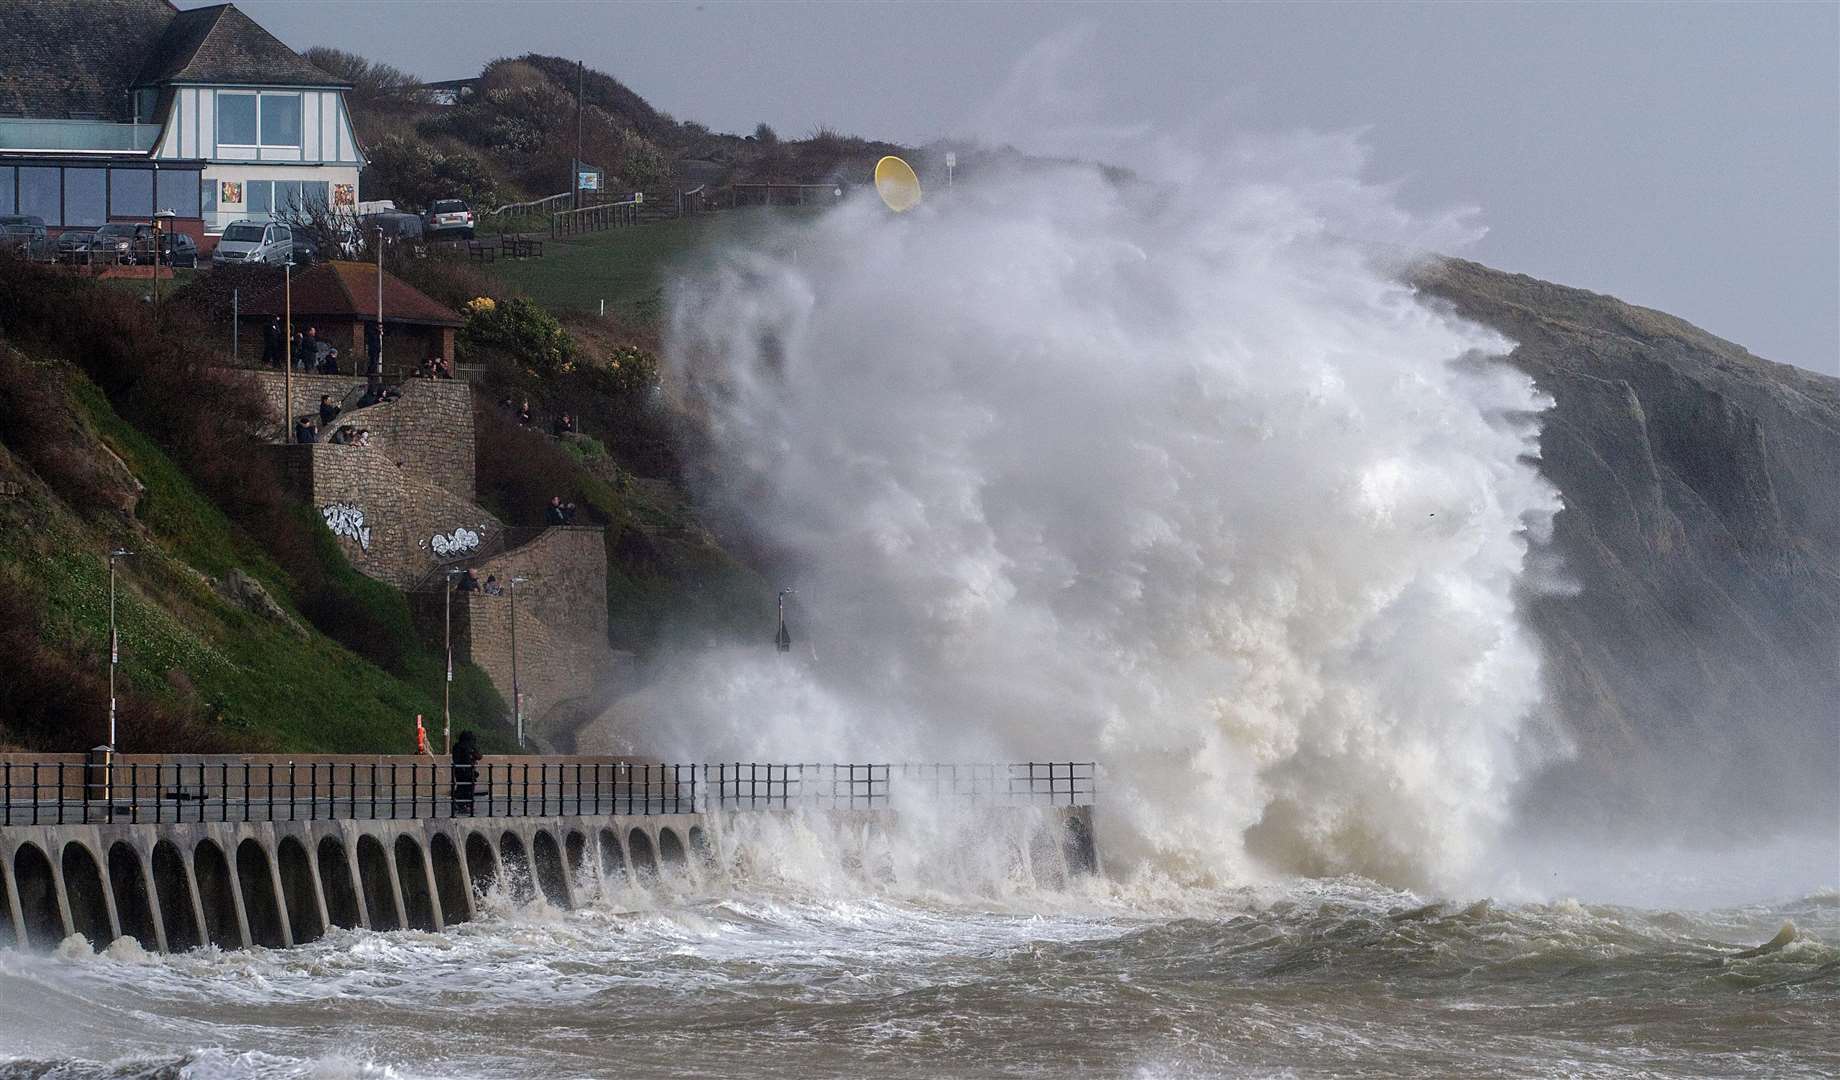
[765, 974]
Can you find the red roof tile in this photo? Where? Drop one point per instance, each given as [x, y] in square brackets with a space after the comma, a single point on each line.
[349, 290]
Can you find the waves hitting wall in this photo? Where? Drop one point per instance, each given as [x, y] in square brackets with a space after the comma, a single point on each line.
[1168, 475]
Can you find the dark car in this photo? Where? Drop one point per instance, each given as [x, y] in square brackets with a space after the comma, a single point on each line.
[394, 226]
[25, 234]
[72, 246]
[116, 242]
[306, 248]
[178, 249]
[449, 218]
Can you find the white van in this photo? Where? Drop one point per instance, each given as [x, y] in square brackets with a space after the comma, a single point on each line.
[254, 242]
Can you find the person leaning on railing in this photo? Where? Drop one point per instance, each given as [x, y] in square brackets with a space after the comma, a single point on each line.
[466, 772]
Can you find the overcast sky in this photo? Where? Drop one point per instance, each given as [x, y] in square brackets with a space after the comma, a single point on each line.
[1684, 157]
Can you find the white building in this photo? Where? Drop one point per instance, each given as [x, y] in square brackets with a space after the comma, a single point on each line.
[111, 110]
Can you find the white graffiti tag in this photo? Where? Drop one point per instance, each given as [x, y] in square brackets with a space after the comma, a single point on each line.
[347, 520]
[458, 542]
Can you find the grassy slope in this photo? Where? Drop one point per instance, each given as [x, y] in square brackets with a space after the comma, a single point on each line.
[258, 677]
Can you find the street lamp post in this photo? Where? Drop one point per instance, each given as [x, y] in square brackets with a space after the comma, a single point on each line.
[378, 363]
[287, 350]
[517, 695]
[114, 638]
[447, 685]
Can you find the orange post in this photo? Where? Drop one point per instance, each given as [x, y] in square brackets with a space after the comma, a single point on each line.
[421, 737]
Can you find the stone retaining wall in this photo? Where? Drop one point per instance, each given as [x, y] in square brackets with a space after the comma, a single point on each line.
[428, 432]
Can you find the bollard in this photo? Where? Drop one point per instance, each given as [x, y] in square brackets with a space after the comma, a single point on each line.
[96, 775]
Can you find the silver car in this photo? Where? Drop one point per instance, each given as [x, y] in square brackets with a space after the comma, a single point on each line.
[254, 242]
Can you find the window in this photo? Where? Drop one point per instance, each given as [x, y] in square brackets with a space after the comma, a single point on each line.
[39, 194]
[280, 119]
[130, 193]
[86, 196]
[207, 198]
[261, 197]
[6, 189]
[236, 119]
[178, 191]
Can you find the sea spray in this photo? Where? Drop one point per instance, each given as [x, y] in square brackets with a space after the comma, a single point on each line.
[1176, 480]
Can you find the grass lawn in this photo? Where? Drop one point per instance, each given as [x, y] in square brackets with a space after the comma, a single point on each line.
[627, 267]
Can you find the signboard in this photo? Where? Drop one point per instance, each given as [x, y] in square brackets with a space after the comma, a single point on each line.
[230, 192]
[344, 194]
[588, 179]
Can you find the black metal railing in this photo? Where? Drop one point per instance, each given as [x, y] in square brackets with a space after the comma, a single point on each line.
[65, 792]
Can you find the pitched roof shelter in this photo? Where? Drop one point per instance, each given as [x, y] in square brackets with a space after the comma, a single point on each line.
[341, 299]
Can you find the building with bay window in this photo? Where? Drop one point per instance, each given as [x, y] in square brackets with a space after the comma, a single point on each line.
[114, 110]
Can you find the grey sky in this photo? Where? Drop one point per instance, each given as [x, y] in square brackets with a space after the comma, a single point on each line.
[1685, 157]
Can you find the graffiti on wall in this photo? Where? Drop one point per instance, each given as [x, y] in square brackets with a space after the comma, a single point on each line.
[459, 542]
[347, 520]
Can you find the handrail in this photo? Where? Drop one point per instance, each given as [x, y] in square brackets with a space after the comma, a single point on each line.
[38, 792]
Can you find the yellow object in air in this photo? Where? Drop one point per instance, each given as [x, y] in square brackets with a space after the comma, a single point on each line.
[896, 183]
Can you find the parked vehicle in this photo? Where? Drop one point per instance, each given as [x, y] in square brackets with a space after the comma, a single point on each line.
[178, 249]
[448, 218]
[25, 234]
[254, 242]
[395, 226]
[72, 246]
[306, 248]
[116, 242]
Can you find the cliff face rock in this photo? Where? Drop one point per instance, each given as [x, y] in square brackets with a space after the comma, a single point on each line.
[1695, 659]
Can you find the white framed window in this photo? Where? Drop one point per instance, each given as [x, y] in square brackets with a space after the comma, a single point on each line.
[280, 119]
[236, 119]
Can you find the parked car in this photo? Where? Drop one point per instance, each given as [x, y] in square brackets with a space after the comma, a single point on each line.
[306, 248]
[72, 246]
[448, 218]
[116, 242]
[249, 241]
[25, 234]
[395, 226]
[178, 249]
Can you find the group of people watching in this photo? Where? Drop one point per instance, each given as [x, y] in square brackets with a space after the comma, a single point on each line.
[309, 352]
[435, 367]
[563, 424]
[469, 582]
[559, 512]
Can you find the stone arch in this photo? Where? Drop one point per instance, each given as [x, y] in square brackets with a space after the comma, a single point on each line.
[342, 905]
[412, 875]
[449, 879]
[552, 877]
[132, 906]
[481, 863]
[671, 852]
[175, 893]
[575, 853]
[297, 891]
[374, 879]
[89, 911]
[38, 901]
[639, 850]
[702, 848]
[516, 866]
[261, 907]
[216, 895]
[613, 860]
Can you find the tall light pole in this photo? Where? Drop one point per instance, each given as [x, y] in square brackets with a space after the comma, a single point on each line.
[379, 363]
[447, 685]
[782, 640]
[517, 696]
[581, 84]
[287, 350]
[114, 638]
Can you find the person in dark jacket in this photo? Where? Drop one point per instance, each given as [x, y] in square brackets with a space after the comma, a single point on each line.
[466, 772]
[554, 515]
[273, 339]
[327, 410]
[303, 430]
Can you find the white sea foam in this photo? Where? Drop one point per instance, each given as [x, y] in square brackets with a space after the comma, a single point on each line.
[1167, 475]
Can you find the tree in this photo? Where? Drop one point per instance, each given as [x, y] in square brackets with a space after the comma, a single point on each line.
[765, 135]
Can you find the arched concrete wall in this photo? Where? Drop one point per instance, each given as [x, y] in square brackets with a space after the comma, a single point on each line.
[449, 880]
[481, 863]
[613, 858]
[133, 900]
[89, 913]
[174, 888]
[217, 896]
[300, 891]
[417, 890]
[1078, 849]
[378, 885]
[639, 854]
[671, 853]
[9, 937]
[516, 867]
[552, 878]
[261, 906]
[343, 908]
[38, 898]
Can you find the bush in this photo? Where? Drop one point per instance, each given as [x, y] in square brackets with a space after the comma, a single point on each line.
[519, 327]
[414, 174]
[627, 372]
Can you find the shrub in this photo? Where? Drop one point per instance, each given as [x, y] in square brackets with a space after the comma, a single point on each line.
[523, 329]
[627, 372]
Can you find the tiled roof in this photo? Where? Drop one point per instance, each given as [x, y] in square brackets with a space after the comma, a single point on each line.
[65, 57]
[222, 45]
[349, 290]
[78, 59]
